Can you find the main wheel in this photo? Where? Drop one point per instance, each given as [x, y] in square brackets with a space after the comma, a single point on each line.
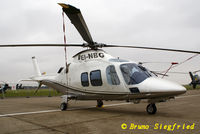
[63, 106]
[99, 103]
[151, 108]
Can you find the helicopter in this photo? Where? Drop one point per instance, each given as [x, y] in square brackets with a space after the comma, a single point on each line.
[93, 74]
[195, 79]
[3, 88]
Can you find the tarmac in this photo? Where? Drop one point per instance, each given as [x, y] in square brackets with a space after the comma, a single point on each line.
[41, 115]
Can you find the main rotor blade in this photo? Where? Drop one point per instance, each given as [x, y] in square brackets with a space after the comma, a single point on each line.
[154, 48]
[78, 21]
[43, 45]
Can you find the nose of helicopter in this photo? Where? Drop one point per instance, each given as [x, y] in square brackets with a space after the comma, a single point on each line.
[158, 85]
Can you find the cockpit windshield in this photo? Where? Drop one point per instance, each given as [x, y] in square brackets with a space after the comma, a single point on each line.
[134, 74]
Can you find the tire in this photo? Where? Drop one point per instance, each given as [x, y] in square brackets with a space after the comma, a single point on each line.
[151, 108]
[63, 106]
[99, 103]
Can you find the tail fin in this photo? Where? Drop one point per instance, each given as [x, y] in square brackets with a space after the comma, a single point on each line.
[36, 67]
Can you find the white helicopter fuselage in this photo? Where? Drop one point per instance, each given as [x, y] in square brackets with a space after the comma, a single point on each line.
[96, 75]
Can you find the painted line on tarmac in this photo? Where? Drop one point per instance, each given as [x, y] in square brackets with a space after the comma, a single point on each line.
[71, 109]
[24, 113]
[50, 111]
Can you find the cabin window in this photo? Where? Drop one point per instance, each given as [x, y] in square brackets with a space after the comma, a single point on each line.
[133, 74]
[112, 76]
[84, 79]
[95, 78]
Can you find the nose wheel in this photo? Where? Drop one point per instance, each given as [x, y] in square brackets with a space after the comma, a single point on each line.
[151, 108]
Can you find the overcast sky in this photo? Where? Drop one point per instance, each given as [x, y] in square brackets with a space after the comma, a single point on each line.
[153, 23]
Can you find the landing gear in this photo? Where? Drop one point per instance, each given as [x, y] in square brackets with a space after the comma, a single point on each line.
[64, 104]
[99, 103]
[151, 108]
